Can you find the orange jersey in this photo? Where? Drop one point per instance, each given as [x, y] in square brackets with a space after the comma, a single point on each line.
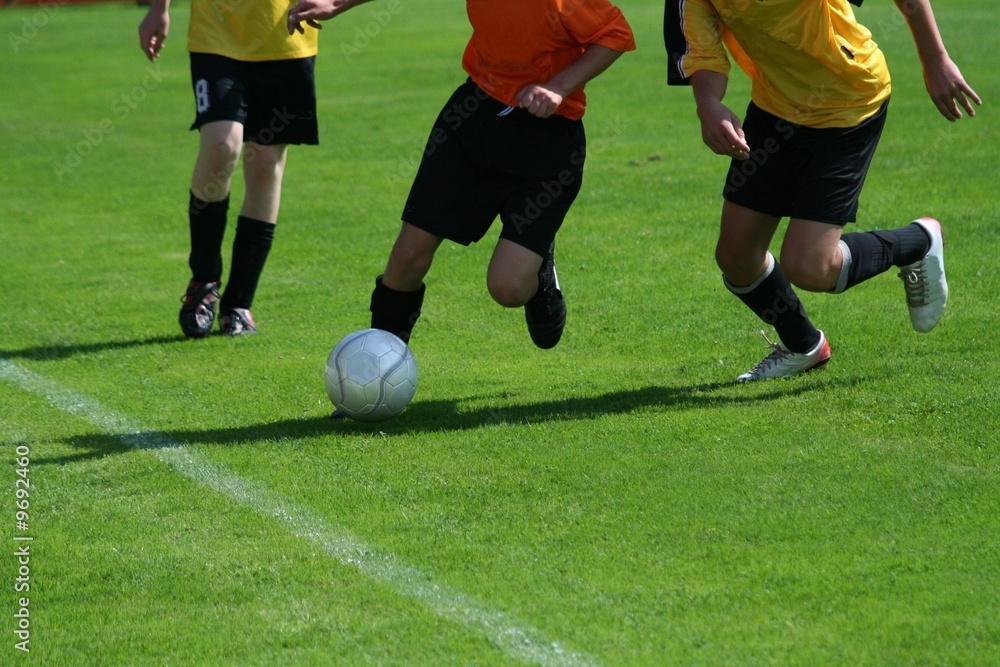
[517, 43]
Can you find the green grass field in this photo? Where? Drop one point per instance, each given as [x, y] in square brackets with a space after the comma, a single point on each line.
[616, 500]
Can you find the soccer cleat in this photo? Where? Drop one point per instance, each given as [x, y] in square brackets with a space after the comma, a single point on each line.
[237, 322]
[925, 282]
[545, 313]
[783, 363]
[198, 311]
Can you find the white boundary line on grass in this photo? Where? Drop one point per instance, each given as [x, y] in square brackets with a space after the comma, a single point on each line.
[518, 640]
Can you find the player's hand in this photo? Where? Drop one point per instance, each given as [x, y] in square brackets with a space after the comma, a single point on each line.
[311, 12]
[153, 33]
[722, 131]
[539, 101]
[949, 91]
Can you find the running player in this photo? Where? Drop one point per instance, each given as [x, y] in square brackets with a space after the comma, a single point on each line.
[820, 91]
[510, 143]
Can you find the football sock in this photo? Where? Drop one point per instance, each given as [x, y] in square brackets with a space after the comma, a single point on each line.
[208, 225]
[250, 249]
[774, 301]
[867, 254]
[395, 311]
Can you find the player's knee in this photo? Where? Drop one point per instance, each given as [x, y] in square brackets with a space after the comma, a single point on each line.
[408, 264]
[264, 164]
[808, 273]
[509, 294]
[724, 259]
[735, 261]
[222, 154]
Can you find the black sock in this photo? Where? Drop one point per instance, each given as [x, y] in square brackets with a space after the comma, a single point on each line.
[774, 301]
[207, 221]
[867, 254]
[395, 311]
[250, 249]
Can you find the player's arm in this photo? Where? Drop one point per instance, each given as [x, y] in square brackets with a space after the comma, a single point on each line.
[944, 81]
[313, 11]
[696, 57]
[543, 99]
[721, 129]
[154, 28]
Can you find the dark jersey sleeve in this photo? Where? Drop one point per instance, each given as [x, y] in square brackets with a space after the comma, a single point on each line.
[675, 43]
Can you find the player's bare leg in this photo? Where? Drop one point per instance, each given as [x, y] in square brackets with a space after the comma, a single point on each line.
[399, 291]
[742, 248]
[263, 169]
[410, 258]
[810, 255]
[512, 277]
[752, 274]
[220, 143]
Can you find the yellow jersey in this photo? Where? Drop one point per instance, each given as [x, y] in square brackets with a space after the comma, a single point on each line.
[809, 61]
[248, 30]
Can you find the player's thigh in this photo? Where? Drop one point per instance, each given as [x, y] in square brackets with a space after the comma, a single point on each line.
[219, 91]
[543, 161]
[451, 196]
[281, 101]
[830, 183]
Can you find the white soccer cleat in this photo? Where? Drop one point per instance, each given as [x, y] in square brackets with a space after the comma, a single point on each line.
[925, 282]
[783, 363]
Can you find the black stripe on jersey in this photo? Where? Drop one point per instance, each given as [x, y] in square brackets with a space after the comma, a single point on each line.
[675, 42]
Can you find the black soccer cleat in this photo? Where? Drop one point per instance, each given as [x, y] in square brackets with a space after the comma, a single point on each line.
[545, 313]
[198, 311]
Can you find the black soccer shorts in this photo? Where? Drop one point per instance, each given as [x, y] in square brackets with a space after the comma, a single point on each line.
[803, 172]
[484, 159]
[274, 100]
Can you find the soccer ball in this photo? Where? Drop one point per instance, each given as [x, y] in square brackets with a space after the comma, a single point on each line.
[371, 375]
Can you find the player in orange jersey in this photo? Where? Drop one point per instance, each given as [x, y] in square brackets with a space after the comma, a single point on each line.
[509, 143]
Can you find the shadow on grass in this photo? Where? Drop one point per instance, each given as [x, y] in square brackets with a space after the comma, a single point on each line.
[449, 415]
[53, 352]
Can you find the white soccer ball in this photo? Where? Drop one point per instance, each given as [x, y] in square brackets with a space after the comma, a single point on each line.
[371, 375]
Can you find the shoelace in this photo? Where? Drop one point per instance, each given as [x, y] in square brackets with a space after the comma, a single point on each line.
[778, 353]
[190, 294]
[239, 321]
[915, 285]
